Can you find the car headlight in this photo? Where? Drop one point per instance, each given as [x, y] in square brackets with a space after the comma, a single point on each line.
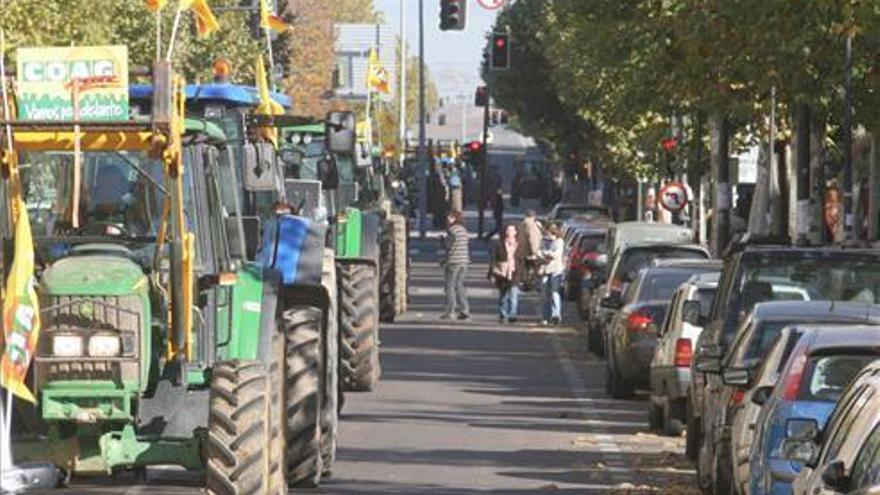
[67, 346]
[104, 346]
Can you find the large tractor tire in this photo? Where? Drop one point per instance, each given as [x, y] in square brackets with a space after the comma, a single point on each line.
[358, 327]
[302, 394]
[401, 264]
[387, 291]
[330, 402]
[245, 446]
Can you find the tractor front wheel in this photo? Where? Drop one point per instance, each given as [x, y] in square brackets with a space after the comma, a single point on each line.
[358, 327]
[302, 394]
[244, 448]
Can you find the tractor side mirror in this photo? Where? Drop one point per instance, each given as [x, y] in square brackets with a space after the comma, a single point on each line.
[328, 174]
[341, 133]
[260, 170]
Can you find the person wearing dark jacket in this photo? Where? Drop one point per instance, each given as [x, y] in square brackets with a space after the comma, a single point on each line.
[455, 267]
[497, 201]
[505, 271]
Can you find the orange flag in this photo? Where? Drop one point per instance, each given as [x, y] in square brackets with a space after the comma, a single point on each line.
[156, 5]
[206, 22]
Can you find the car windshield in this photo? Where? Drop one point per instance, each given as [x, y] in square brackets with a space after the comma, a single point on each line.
[832, 276]
[827, 376]
[635, 259]
[312, 154]
[592, 243]
[120, 194]
[661, 286]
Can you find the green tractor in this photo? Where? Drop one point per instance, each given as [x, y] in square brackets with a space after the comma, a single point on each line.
[370, 244]
[165, 338]
[310, 306]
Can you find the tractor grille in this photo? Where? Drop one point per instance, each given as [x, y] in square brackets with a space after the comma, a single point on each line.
[85, 317]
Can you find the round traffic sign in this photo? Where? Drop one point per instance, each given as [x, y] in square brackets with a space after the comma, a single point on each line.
[492, 4]
[673, 196]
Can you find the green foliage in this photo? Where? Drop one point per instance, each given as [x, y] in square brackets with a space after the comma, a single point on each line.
[614, 72]
[128, 22]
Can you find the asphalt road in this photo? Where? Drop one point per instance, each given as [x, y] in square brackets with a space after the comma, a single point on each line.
[477, 408]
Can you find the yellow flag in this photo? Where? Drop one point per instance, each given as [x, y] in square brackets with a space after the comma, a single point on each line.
[206, 23]
[267, 105]
[21, 311]
[156, 5]
[269, 20]
[377, 76]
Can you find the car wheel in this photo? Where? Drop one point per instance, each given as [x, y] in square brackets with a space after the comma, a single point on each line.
[723, 483]
[655, 415]
[692, 440]
[671, 426]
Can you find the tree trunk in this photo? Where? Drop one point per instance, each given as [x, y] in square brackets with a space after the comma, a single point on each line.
[720, 161]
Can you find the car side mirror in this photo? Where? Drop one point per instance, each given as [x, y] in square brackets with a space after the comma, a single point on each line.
[834, 476]
[613, 301]
[761, 395]
[802, 429]
[690, 313]
[738, 377]
[341, 133]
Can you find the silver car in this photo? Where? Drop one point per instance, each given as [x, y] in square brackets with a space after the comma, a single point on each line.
[670, 373]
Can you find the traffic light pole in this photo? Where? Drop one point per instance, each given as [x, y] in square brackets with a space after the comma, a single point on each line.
[484, 165]
[423, 158]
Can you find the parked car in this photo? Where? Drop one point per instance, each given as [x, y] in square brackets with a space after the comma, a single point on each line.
[623, 233]
[627, 261]
[670, 374]
[802, 388]
[752, 273]
[753, 340]
[586, 255]
[633, 333]
[566, 211]
[845, 457]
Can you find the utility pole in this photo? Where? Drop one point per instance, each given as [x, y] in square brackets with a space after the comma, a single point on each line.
[484, 162]
[402, 89]
[423, 158]
[847, 144]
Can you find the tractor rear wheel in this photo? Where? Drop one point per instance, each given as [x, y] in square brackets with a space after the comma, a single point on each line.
[330, 364]
[302, 398]
[401, 258]
[358, 327]
[387, 291]
[243, 456]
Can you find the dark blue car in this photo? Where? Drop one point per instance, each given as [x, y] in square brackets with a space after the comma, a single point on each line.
[823, 360]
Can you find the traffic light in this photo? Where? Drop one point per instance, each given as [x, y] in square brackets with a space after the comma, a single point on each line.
[474, 146]
[500, 51]
[481, 98]
[452, 15]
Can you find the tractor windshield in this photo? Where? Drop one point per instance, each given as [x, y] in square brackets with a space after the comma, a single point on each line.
[120, 194]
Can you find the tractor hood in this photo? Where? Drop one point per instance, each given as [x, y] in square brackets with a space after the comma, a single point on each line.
[94, 275]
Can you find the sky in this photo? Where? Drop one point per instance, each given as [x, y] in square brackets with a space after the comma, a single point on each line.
[453, 57]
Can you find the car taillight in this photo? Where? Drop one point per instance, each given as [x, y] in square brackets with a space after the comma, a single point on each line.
[638, 322]
[737, 397]
[793, 380]
[684, 352]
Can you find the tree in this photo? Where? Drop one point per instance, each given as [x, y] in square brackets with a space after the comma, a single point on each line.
[356, 12]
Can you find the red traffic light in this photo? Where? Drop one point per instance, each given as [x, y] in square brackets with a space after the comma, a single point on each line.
[475, 146]
[670, 144]
[500, 42]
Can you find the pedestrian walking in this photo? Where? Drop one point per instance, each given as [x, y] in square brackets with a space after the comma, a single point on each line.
[455, 267]
[552, 273]
[529, 247]
[505, 271]
[498, 214]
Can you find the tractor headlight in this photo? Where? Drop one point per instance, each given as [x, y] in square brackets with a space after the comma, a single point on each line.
[307, 139]
[104, 346]
[67, 346]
